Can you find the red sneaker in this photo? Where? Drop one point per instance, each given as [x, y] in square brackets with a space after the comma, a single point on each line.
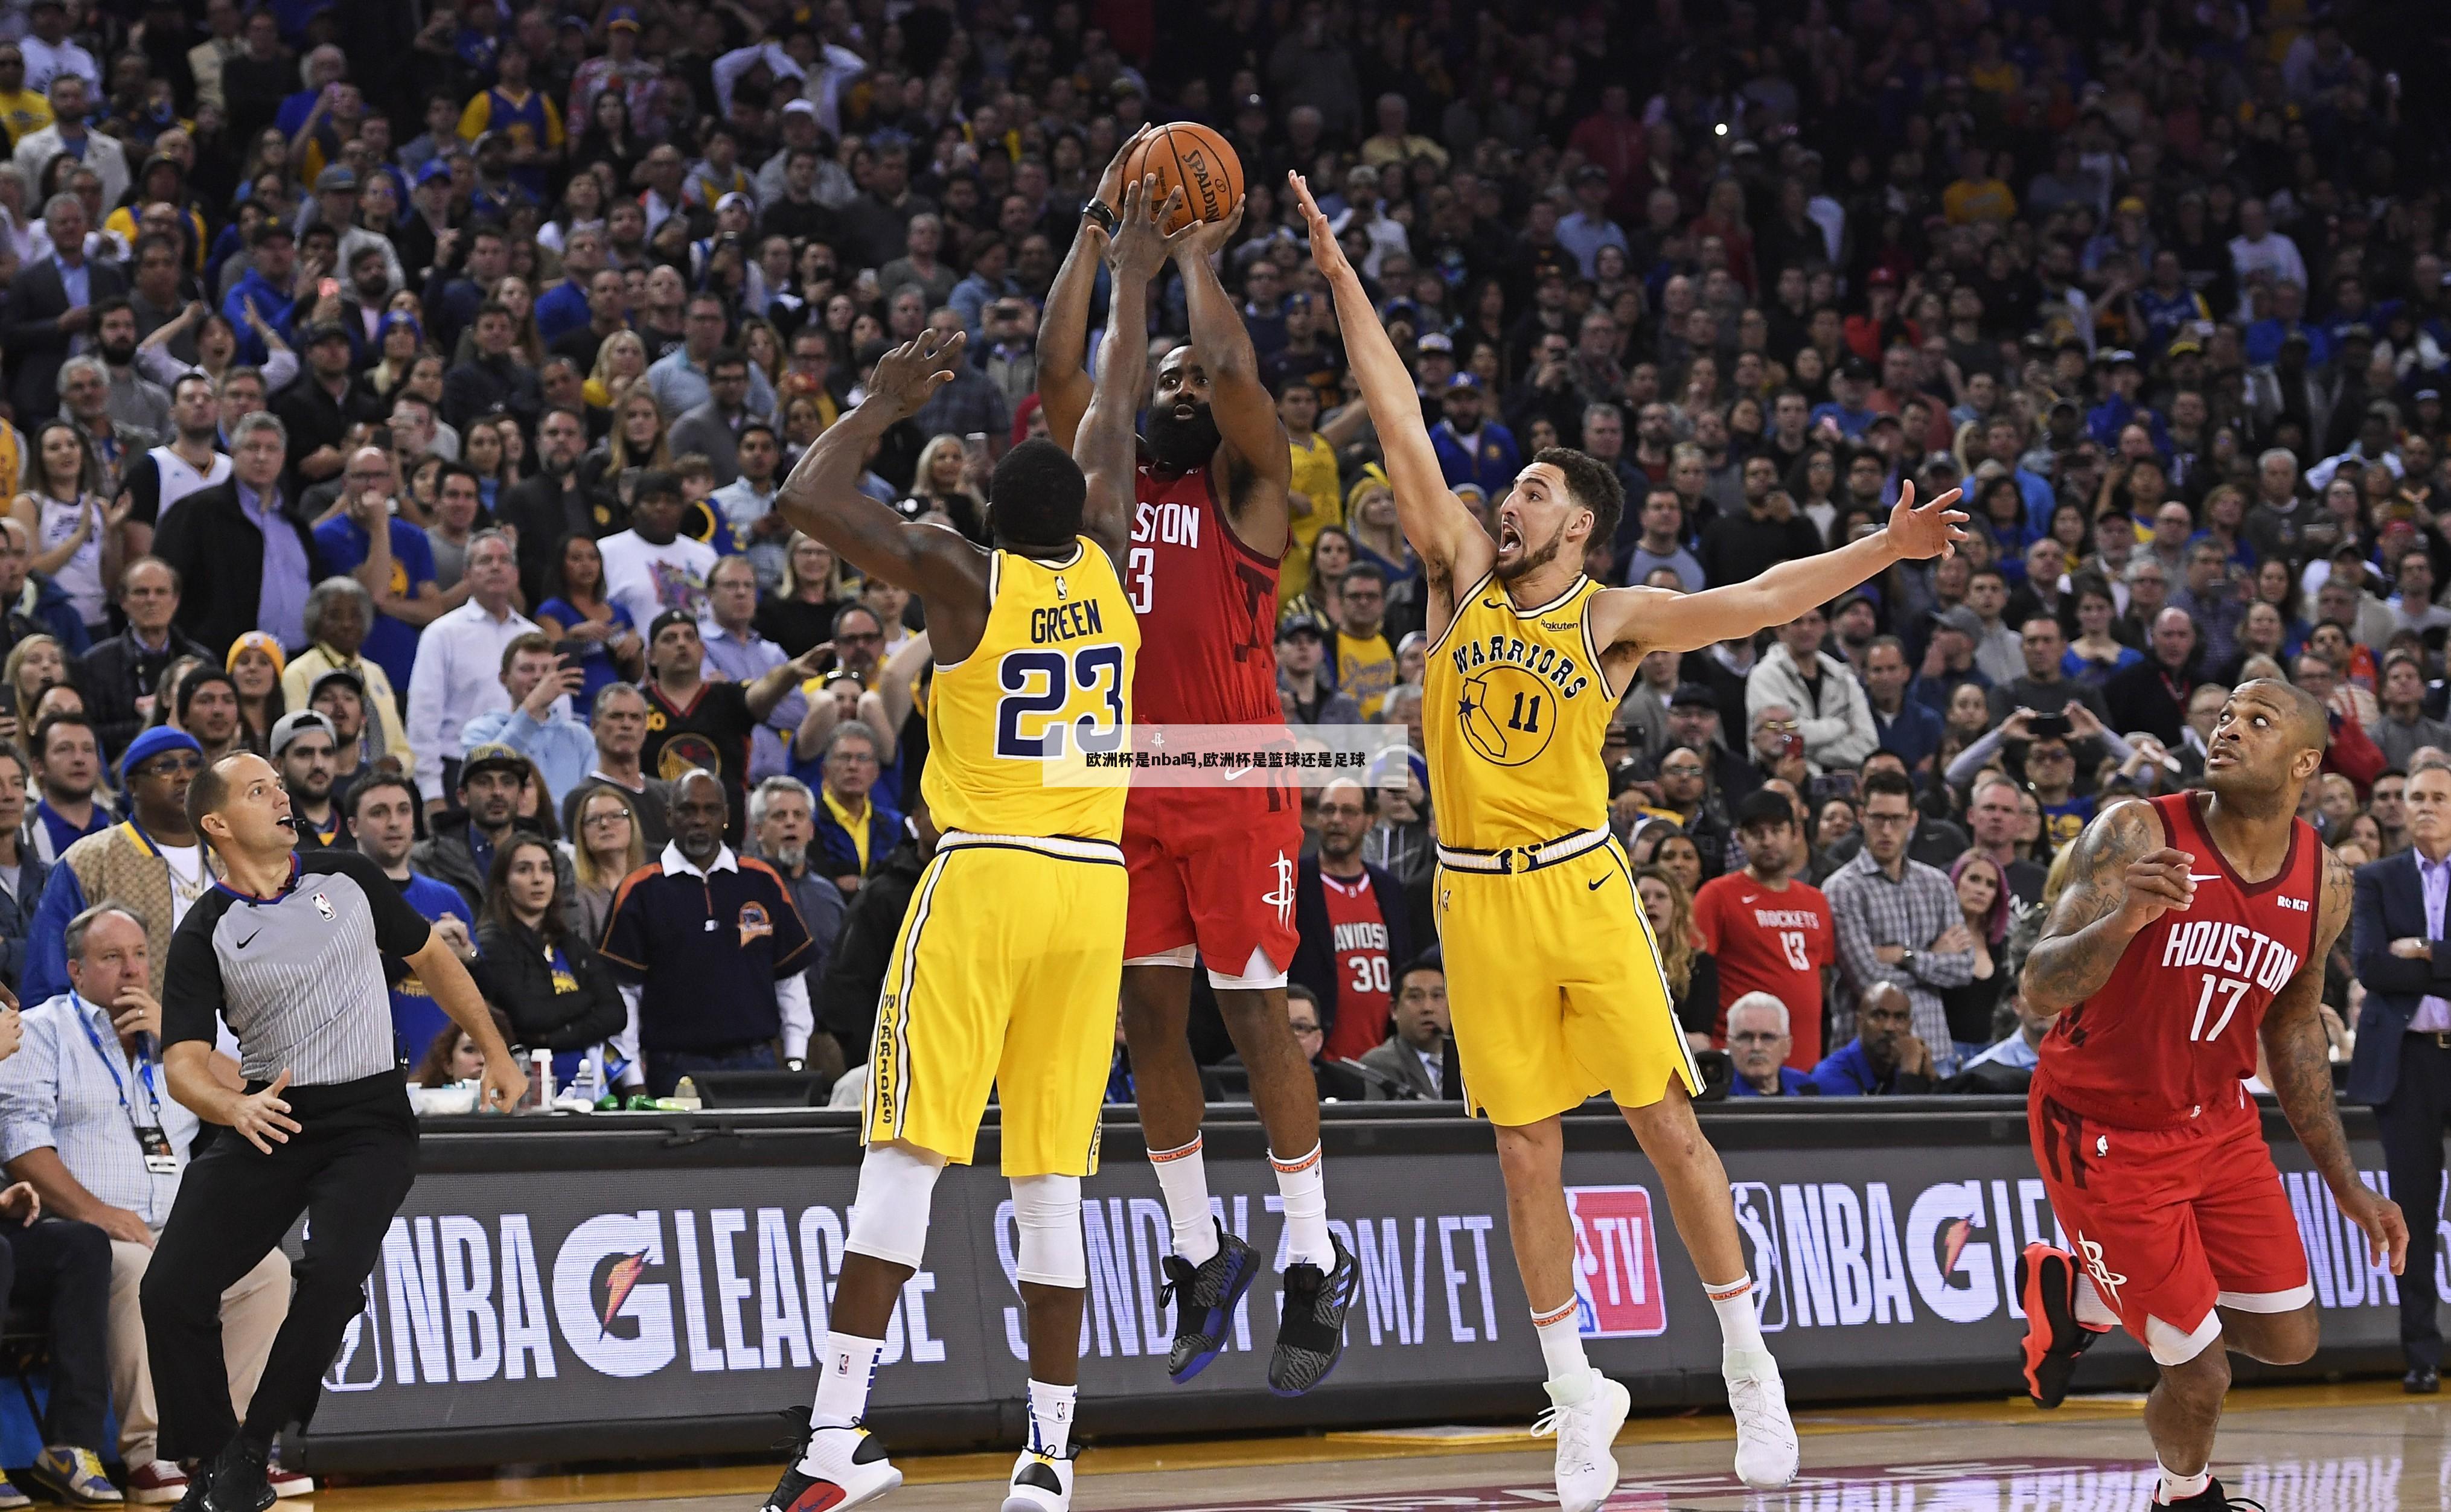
[158, 1483]
[2054, 1340]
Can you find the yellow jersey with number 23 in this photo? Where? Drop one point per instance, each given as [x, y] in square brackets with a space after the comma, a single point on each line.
[1051, 678]
[1514, 709]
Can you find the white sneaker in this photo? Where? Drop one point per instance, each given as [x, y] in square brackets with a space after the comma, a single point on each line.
[1766, 1450]
[1586, 1470]
[1041, 1483]
[837, 1468]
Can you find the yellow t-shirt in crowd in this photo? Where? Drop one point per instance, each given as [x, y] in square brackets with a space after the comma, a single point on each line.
[1366, 669]
[1316, 478]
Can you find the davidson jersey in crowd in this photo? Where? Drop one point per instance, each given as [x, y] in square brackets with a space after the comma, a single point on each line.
[2173, 1032]
[1207, 607]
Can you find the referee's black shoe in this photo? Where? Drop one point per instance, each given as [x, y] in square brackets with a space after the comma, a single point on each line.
[1203, 1298]
[238, 1482]
[1310, 1335]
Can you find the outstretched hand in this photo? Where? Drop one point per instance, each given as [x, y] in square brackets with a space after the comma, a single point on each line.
[907, 375]
[1324, 249]
[1141, 244]
[1932, 530]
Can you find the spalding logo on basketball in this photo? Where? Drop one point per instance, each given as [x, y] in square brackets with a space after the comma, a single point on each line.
[1198, 159]
[1508, 714]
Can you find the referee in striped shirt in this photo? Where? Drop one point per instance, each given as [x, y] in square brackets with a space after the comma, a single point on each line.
[288, 950]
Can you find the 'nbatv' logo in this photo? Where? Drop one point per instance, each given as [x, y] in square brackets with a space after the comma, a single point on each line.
[1508, 714]
[1616, 1263]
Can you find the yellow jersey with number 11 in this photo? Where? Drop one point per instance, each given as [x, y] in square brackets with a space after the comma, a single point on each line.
[1514, 709]
[1051, 678]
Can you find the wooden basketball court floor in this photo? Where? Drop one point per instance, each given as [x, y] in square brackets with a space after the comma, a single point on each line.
[2361, 1447]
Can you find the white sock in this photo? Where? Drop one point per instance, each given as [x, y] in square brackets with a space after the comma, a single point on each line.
[1184, 1178]
[2089, 1308]
[1561, 1349]
[1303, 1185]
[2177, 1487]
[850, 1368]
[1739, 1329]
[1051, 1418]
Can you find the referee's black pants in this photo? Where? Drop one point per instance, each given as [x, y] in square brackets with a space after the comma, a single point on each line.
[347, 1168]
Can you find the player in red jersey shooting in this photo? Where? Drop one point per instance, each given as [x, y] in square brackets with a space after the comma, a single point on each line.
[1212, 869]
[2194, 926]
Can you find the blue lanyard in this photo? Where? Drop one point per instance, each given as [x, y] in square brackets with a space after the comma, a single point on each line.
[144, 1068]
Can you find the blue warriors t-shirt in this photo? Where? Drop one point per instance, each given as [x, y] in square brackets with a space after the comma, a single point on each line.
[416, 1018]
[343, 546]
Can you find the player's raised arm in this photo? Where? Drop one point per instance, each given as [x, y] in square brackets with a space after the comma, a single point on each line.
[2299, 1056]
[1449, 541]
[1063, 386]
[2123, 878]
[1659, 620]
[822, 499]
[1238, 397]
[1107, 448]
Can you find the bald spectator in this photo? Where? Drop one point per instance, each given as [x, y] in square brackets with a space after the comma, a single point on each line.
[1885, 1058]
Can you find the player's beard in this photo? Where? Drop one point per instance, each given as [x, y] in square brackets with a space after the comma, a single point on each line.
[1180, 444]
[1533, 560]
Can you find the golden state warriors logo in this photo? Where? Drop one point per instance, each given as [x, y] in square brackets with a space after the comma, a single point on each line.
[685, 753]
[1508, 714]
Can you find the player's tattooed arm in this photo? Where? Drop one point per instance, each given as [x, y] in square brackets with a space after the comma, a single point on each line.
[2121, 879]
[2298, 1058]
[1106, 447]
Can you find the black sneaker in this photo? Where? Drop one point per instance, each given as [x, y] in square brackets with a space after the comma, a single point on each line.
[2211, 1499]
[2054, 1340]
[1203, 1298]
[238, 1482]
[1310, 1335]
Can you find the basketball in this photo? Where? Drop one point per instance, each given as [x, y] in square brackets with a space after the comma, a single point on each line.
[1199, 160]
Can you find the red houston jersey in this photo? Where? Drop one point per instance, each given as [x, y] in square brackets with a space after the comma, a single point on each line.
[2172, 1033]
[1207, 607]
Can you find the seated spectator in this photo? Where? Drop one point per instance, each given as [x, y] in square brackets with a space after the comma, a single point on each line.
[1885, 1058]
[460, 848]
[1413, 1061]
[1351, 926]
[22, 876]
[782, 826]
[384, 820]
[1335, 1080]
[340, 613]
[854, 829]
[708, 950]
[537, 725]
[120, 673]
[66, 1266]
[847, 1002]
[85, 1119]
[2019, 1052]
[68, 773]
[153, 867]
[1758, 1043]
[619, 729]
[533, 965]
[305, 748]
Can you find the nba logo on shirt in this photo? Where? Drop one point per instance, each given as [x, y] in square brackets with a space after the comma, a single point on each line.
[323, 905]
[1616, 1262]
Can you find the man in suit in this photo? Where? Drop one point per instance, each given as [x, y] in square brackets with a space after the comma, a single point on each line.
[1416, 1053]
[234, 576]
[70, 95]
[51, 305]
[2402, 1065]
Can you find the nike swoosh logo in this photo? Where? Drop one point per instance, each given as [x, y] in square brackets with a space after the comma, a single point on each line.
[1750, 896]
[1594, 885]
[249, 940]
[1234, 774]
[2204, 876]
[1491, 604]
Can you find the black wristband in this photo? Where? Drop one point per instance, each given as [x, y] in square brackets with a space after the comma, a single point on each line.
[1094, 211]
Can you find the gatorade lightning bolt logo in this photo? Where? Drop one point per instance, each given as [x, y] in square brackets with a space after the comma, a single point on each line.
[618, 1281]
[1282, 897]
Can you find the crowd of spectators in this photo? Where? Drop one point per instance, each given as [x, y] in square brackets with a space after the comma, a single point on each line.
[401, 392]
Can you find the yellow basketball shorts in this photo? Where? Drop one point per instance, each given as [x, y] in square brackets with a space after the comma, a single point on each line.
[1004, 975]
[1555, 988]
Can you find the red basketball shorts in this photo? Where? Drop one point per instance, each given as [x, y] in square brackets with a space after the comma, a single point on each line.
[2172, 1223]
[1212, 869]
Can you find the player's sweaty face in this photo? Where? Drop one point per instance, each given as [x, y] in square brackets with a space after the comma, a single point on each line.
[2254, 735]
[1532, 519]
